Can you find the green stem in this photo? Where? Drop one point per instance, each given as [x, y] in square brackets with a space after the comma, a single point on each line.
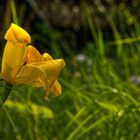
[4, 95]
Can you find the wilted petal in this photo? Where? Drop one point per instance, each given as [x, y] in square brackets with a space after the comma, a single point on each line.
[13, 59]
[17, 34]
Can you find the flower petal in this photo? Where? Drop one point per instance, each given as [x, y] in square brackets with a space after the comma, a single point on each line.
[32, 75]
[13, 59]
[46, 57]
[32, 55]
[51, 68]
[17, 34]
[40, 74]
[56, 88]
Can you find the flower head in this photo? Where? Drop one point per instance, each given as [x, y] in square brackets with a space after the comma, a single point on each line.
[23, 64]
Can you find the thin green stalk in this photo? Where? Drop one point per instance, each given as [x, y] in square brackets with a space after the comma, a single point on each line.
[4, 95]
[18, 136]
[14, 13]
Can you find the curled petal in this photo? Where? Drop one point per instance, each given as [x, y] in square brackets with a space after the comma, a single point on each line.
[46, 57]
[32, 55]
[51, 68]
[13, 59]
[56, 88]
[40, 74]
[32, 75]
[17, 34]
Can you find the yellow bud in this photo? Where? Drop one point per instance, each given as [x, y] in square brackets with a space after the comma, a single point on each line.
[17, 34]
[13, 59]
[14, 52]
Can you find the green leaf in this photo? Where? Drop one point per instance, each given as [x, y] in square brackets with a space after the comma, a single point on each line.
[5, 90]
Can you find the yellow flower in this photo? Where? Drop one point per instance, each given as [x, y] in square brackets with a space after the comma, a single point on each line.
[22, 63]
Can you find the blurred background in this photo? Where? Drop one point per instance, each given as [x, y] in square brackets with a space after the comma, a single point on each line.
[100, 43]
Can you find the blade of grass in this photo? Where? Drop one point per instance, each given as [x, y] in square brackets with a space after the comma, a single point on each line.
[91, 25]
[101, 43]
[5, 92]
[125, 41]
[72, 135]
[92, 126]
[14, 12]
[117, 37]
[75, 121]
[75, 117]
[18, 136]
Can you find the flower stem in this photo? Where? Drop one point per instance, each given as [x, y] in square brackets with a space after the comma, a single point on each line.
[4, 95]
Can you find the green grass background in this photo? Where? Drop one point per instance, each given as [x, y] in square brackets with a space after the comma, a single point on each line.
[101, 89]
